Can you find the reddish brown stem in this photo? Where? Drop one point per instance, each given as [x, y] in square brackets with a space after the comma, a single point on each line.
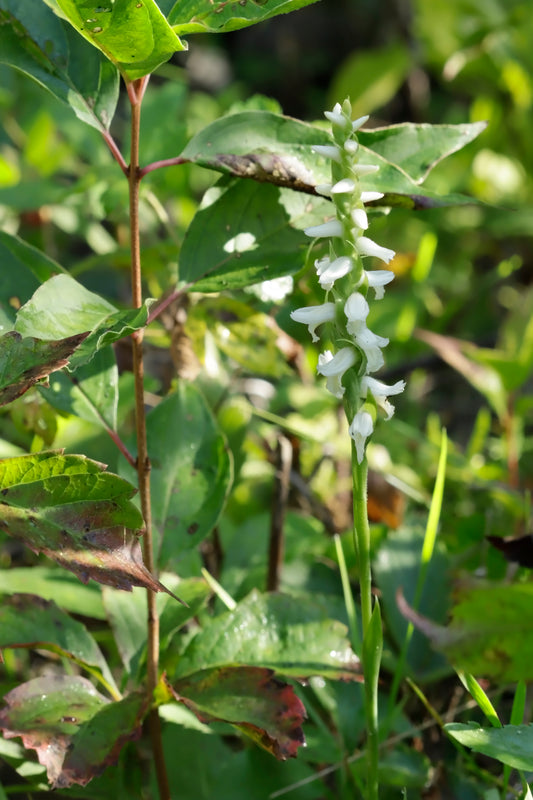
[279, 506]
[166, 162]
[135, 93]
[117, 155]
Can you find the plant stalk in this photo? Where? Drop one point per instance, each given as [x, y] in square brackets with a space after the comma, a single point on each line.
[361, 532]
[135, 93]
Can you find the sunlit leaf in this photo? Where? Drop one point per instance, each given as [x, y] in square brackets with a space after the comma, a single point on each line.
[70, 509]
[24, 361]
[132, 34]
[27, 620]
[292, 637]
[35, 41]
[510, 744]
[251, 699]
[194, 16]
[79, 310]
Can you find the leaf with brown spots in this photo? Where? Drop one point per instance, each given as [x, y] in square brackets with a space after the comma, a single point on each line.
[25, 360]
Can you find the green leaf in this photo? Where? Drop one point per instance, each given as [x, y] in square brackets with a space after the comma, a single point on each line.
[511, 744]
[252, 700]
[35, 41]
[70, 509]
[193, 16]
[75, 731]
[90, 392]
[132, 34]
[417, 148]
[292, 636]
[54, 584]
[245, 233]
[27, 620]
[191, 472]
[24, 361]
[80, 310]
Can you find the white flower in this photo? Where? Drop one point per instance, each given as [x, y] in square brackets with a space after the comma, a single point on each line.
[326, 229]
[312, 316]
[361, 428]
[360, 218]
[324, 189]
[371, 344]
[351, 147]
[380, 392]
[378, 279]
[365, 169]
[328, 151]
[343, 187]
[333, 368]
[366, 247]
[367, 197]
[329, 271]
[357, 123]
[356, 309]
[336, 117]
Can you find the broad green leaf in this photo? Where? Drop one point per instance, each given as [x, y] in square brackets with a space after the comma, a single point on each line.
[24, 361]
[24, 268]
[271, 148]
[90, 392]
[292, 636]
[244, 233]
[27, 620]
[79, 310]
[132, 34]
[54, 584]
[489, 634]
[251, 699]
[35, 41]
[70, 509]
[191, 472]
[403, 767]
[75, 731]
[127, 615]
[194, 16]
[511, 744]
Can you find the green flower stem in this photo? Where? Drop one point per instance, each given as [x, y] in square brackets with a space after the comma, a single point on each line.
[371, 622]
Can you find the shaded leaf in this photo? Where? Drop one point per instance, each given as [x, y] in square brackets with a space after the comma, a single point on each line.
[55, 584]
[132, 34]
[193, 16]
[70, 509]
[75, 731]
[292, 636]
[191, 472]
[35, 41]
[24, 268]
[245, 233]
[490, 632]
[510, 744]
[251, 699]
[90, 392]
[24, 361]
[27, 620]
[80, 310]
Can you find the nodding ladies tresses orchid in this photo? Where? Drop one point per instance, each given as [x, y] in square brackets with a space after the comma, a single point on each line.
[357, 350]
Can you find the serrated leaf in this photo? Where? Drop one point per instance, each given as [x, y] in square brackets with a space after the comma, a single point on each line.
[27, 620]
[292, 636]
[24, 361]
[70, 509]
[90, 392]
[79, 310]
[132, 34]
[244, 233]
[75, 731]
[191, 472]
[193, 16]
[510, 744]
[251, 699]
[35, 41]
